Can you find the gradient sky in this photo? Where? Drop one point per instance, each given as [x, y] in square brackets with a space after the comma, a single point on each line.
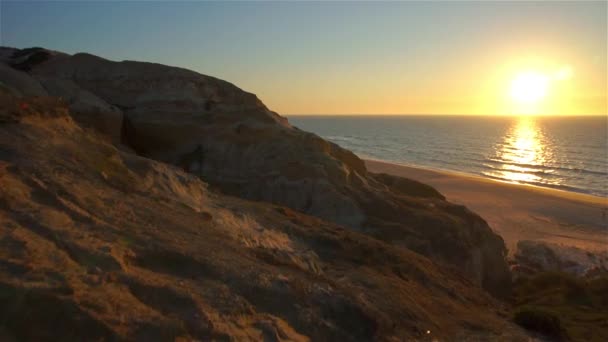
[342, 57]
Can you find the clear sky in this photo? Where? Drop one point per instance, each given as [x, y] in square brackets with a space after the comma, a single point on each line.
[436, 57]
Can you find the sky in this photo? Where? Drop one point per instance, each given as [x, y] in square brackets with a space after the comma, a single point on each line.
[426, 57]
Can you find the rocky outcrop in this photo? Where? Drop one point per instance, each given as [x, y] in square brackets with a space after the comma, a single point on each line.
[26, 59]
[533, 257]
[99, 244]
[86, 108]
[19, 83]
[226, 136]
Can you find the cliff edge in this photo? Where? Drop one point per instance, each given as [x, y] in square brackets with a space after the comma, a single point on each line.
[231, 140]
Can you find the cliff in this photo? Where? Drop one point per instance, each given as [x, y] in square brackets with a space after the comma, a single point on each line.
[99, 244]
[226, 136]
[117, 241]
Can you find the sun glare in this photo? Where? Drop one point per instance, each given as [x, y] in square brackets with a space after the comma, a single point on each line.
[529, 87]
[564, 73]
[538, 88]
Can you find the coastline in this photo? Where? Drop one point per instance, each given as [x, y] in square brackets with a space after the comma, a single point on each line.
[518, 211]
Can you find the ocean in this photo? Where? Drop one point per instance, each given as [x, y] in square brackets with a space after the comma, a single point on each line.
[566, 153]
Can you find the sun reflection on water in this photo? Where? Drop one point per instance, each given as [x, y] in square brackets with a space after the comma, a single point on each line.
[523, 154]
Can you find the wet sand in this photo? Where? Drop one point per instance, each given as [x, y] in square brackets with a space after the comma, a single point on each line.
[519, 212]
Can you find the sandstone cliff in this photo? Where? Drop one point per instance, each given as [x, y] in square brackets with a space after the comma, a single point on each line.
[229, 139]
[101, 244]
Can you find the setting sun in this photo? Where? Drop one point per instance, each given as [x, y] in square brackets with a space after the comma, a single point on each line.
[529, 87]
[528, 91]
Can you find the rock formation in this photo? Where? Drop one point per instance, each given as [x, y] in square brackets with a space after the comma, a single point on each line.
[101, 244]
[533, 257]
[226, 136]
[19, 83]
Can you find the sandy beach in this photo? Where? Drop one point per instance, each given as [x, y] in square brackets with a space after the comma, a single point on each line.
[519, 212]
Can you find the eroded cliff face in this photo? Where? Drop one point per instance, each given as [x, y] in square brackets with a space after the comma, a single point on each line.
[101, 244]
[228, 138]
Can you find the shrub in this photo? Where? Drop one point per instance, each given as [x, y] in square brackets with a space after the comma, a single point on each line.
[540, 321]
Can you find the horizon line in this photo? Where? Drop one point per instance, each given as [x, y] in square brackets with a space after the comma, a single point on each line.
[437, 114]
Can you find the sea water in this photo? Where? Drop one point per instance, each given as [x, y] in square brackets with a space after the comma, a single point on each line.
[567, 153]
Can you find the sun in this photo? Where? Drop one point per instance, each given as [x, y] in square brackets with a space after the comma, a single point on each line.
[529, 88]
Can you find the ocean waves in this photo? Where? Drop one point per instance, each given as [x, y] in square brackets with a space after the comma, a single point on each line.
[569, 154]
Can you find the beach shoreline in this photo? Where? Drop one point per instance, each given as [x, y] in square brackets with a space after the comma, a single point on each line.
[517, 211]
[580, 196]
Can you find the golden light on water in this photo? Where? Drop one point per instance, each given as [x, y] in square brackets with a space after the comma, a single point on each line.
[522, 153]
